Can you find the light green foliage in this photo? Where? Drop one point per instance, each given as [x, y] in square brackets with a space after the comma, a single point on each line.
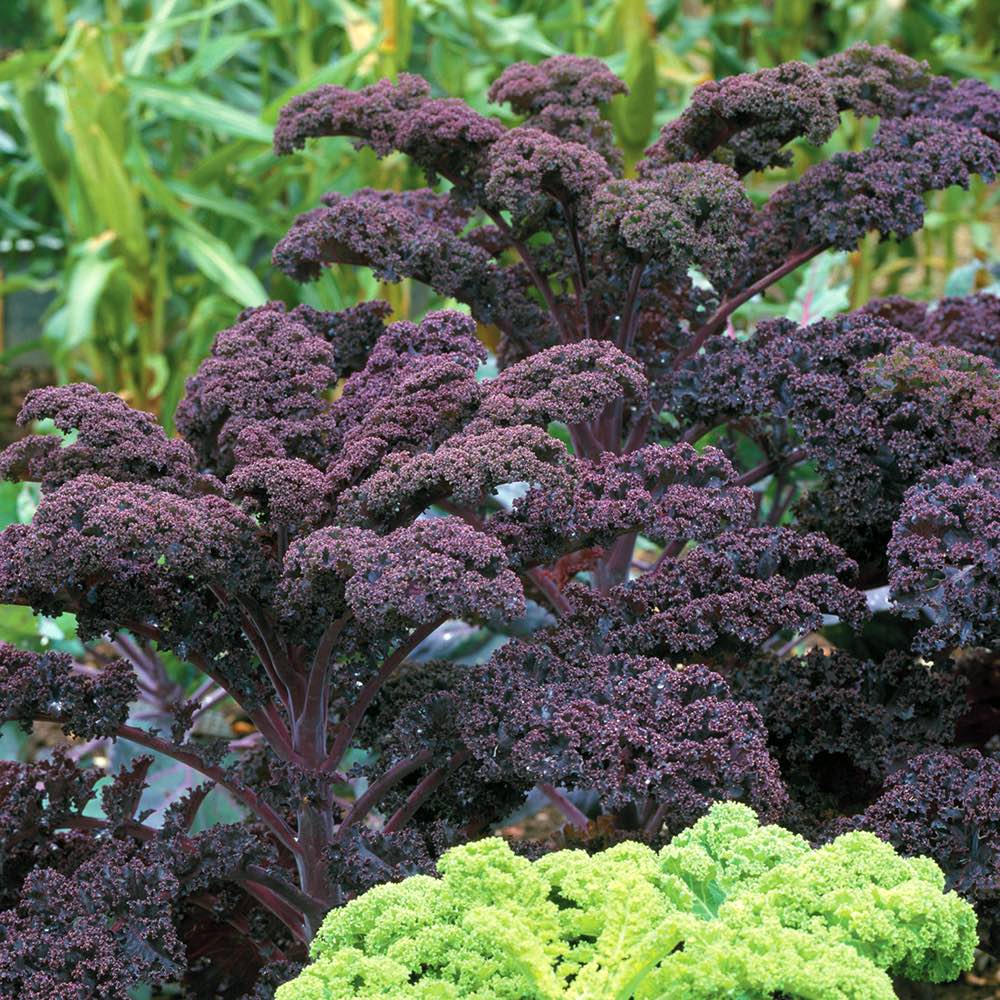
[729, 909]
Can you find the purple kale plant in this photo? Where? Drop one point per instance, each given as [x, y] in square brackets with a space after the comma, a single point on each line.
[647, 512]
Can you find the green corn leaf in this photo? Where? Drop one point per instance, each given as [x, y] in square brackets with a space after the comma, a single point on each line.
[340, 72]
[87, 283]
[17, 218]
[159, 368]
[24, 64]
[69, 47]
[97, 97]
[26, 282]
[633, 113]
[155, 36]
[217, 165]
[210, 56]
[110, 191]
[210, 255]
[212, 201]
[198, 109]
[200, 14]
[40, 120]
[215, 260]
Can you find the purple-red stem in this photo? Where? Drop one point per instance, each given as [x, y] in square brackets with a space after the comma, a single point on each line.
[291, 893]
[370, 797]
[640, 428]
[536, 276]
[620, 558]
[424, 789]
[550, 589]
[718, 319]
[580, 265]
[291, 917]
[574, 815]
[585, 442]
[267, 720]
[765, 469]
[630, 312]
[349, 726]
[211, 905]
[249, 798]
[653, 824]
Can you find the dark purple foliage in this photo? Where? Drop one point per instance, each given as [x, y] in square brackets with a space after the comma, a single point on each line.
[433, 569]
[748, 119]
[531, 172]
[970, 323]
[574, 81]
[670, 494]
[875, 81]
[944, 556]
[838, 725]
[440, 135]
[968, 102]
[91, 931]
[835, 203]
[51, 685]
[638, 519]
[111, 440]
[871, 406]
[737, 591]
[573, 383]
[690, 215]
[563, 96]
[656, 742]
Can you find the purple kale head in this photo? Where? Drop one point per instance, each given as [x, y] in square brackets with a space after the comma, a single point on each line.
[944, 556]
[656, 743]
[970, 323]
[839, 725]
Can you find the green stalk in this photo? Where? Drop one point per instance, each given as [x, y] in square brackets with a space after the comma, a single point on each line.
[305, 23]
[861, 290]
[113, 16]
[57, 16]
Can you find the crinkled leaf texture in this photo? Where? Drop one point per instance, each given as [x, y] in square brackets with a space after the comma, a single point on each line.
[729, 908]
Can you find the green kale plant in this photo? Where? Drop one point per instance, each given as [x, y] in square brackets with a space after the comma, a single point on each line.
[729, 908]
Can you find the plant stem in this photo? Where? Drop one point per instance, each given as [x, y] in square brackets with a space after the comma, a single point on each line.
[765, 469]
[250, 799]
[630, 313]
[426, 787]
[369, 799]
[653, 824]
[541, 579]
[366, 696]
[718, 319]
[575, 816]
[291, 893]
